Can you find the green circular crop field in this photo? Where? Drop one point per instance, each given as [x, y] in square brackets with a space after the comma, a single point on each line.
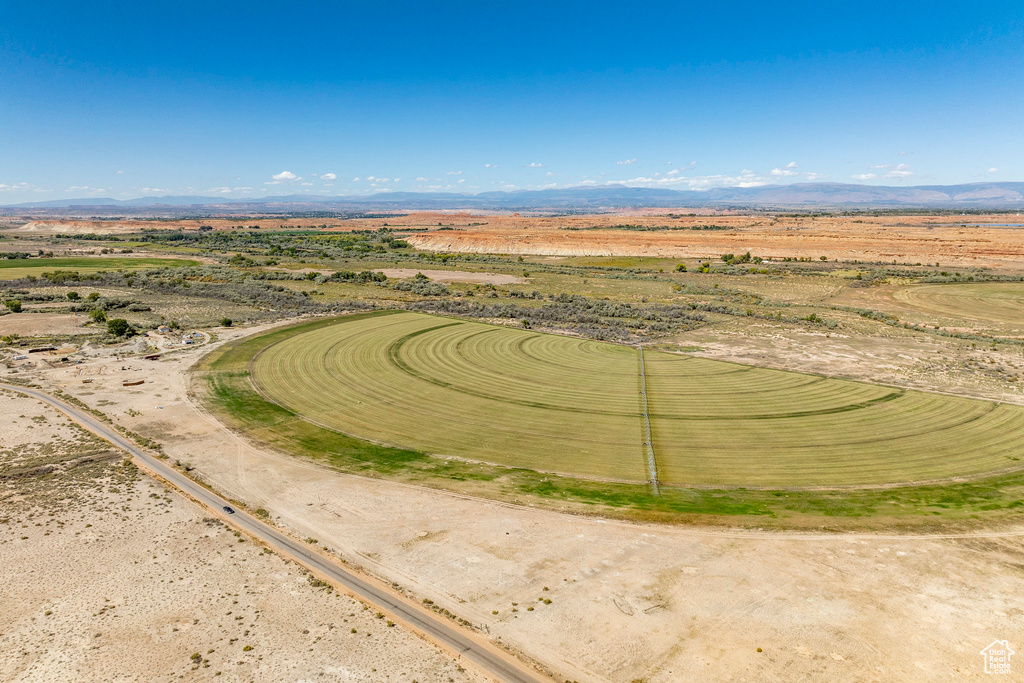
[995, 302]
[560, 404]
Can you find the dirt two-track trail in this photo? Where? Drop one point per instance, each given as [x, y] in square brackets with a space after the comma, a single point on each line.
[462, 643]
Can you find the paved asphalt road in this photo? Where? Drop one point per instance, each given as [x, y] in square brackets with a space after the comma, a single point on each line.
[474, 648]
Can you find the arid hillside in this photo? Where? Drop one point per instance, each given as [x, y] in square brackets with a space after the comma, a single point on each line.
[984, 241]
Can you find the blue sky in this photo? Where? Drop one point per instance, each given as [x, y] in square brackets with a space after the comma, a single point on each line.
[126, 99]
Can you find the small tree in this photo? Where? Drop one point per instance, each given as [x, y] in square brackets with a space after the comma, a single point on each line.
[73, 296]
[97, 316]
[14, 305]
[681, 268]
[118, 327]
[93, 296]
[226, 322]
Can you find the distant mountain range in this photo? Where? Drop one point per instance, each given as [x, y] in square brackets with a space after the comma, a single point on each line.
[1007, 195]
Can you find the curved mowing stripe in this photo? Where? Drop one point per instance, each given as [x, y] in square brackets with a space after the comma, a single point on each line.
[553, 403]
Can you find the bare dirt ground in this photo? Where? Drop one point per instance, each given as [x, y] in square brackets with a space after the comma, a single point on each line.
[627, 601]
[106, 575]
[944, 365]
[905, 239]
[29, 323]
[449, 276]
[72, 226]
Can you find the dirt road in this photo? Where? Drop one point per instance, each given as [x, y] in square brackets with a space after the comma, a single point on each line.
[461, 642]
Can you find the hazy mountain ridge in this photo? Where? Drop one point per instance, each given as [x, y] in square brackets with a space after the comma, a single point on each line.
[803, 195]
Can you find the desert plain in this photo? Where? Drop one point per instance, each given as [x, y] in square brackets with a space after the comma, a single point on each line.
[109, 574]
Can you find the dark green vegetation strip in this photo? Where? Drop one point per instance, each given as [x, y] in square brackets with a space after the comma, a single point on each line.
[395, 357]
[233, 399]
[405, 367]
[798, 413]
[97, 262]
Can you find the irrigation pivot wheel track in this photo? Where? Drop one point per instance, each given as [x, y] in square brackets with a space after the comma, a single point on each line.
[561, 404]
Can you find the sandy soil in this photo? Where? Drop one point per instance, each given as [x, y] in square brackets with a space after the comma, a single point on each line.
[116, 578]
[28, 324]
[71, 226]
[628, 601]
[943, 365]
[449, 276]
[905, 239]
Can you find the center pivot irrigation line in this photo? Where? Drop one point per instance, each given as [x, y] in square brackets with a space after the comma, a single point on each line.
[652, 464]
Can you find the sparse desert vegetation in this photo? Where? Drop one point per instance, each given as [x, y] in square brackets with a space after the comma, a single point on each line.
[574, 343]
[189, 600]
[513, 367]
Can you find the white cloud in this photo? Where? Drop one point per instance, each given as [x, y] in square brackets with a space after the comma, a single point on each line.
[24, 187]
[454, 173]
[674, 171]
[881, 165]
[993, 170]
[746, 178]
[398, 180]
[779, 172]
[282, 177]
[120, 173]
[355, 180]
[627, 162]
[329, 176]
[901, 171]
[535, 165]
[490, 166]
[791, 164]
[421, 179]
[74, 188]
[549, 174]
[863, 176]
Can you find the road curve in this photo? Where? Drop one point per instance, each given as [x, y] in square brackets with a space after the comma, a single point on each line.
[462, 642]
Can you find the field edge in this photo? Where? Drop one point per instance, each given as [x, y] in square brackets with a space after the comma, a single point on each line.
[221, 381]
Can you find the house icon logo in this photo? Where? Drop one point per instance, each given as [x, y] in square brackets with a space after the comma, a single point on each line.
[997, 657]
